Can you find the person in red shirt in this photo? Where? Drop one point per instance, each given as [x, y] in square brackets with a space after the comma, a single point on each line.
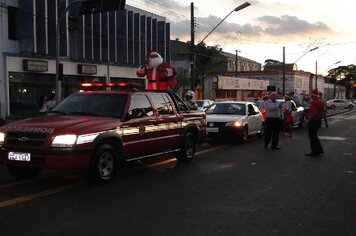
[159, 75]
[315, 116]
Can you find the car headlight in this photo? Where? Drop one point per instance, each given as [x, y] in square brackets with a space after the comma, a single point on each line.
[234, 124]
[64, 140]
[2, 138]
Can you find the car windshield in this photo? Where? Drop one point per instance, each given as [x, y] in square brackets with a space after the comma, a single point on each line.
[227, 109]
[110, 105]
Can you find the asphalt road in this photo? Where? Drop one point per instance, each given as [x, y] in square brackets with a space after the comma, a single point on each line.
[229, 189]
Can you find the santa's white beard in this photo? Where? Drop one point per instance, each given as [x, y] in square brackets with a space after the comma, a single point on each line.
[154, 62]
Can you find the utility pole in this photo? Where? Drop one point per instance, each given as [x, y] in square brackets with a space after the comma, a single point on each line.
[316, 74]
[192, 47]
[237, 62]
[284, 71]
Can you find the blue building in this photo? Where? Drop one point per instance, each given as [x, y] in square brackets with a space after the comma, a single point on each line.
[100, 47]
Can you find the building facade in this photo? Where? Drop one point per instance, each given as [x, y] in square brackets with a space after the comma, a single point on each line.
[99, 47]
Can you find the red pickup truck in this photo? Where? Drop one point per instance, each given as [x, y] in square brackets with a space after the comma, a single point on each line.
[98, 130]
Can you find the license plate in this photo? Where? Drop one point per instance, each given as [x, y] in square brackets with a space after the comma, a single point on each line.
[212, 130]
[19, 156]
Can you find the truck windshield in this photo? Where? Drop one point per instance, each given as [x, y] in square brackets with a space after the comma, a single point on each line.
[111, 105]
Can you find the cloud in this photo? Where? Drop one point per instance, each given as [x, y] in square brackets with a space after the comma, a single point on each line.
[273, 27]
[290, 25]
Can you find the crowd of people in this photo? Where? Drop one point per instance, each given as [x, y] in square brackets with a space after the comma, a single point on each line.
[279, 119]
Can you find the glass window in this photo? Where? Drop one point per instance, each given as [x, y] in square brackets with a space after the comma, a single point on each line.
[227, 108]
[140, 107]
[111, 105]
[163, 104]
[12, 22]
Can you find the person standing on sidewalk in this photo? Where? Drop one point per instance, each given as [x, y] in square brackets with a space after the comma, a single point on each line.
[316, 114]
[273, 121]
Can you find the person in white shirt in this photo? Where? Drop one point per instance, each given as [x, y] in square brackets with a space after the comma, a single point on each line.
[273, 121]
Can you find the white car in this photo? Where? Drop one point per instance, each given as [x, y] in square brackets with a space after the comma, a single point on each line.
[204, 104]
[334, 103]
[232, 119]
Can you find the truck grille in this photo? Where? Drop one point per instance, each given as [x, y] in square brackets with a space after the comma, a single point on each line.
[26, 138]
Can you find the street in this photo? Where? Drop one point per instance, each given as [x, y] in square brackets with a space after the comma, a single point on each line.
[228, 189]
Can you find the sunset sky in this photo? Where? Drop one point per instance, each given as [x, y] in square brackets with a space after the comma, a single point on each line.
[261, 30]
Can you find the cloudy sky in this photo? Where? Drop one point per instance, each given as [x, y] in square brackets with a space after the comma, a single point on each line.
[261, 30]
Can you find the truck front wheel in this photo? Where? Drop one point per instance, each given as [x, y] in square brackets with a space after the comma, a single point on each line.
[23, 172]
[188, 146]
[103, 166]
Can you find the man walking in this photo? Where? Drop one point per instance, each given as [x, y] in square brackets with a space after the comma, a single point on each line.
[316, 114]
[273, 121]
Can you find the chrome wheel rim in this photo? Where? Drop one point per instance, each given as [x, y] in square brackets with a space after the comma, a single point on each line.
[106, 165]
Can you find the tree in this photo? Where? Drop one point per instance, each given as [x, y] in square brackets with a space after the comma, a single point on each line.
[345, 75]
[206, 61]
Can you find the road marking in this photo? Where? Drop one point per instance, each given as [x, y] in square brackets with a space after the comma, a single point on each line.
[212, 149]
[29, 197]
[332, 138]
[161, 163]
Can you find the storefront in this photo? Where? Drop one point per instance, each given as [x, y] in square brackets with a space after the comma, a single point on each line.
[28, 79]
[240, 89]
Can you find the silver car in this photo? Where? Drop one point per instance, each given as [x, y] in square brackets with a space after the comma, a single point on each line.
[334, 103]
[236, 120]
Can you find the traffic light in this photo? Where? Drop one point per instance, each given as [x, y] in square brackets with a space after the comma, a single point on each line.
[96, 6]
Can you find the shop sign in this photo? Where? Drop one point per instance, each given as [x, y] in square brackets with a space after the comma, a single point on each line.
[232, 83]
[87, 69]
[35, 65]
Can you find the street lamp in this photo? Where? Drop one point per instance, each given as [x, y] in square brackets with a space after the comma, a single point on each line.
[238, 8]
[306, 53]
[331, 66]
[242, 6]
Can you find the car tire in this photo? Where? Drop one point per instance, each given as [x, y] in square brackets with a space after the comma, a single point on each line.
[244, 135]
[23, 172]
[332, 107]
[262, 132]
[350, 106]
[103, 166]
[188, 146]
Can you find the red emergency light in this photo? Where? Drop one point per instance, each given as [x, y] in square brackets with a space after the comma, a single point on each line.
[89, 86]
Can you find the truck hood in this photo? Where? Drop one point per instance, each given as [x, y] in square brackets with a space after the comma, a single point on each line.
[63, 124]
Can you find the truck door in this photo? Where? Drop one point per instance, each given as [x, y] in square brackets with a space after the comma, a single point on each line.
[169, 122]
[139, 130]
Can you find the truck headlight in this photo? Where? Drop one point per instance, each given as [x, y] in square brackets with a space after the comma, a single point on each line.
[2, 138]
[64, 140]
[234, 124]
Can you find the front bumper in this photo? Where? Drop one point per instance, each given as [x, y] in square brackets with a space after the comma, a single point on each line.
[56, 158]
[225, 132]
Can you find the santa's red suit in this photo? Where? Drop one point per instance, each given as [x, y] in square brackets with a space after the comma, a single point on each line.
[160, 76]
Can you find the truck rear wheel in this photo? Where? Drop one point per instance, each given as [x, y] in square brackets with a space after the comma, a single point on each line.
[103, 166]
[188, 146]
[24, 172]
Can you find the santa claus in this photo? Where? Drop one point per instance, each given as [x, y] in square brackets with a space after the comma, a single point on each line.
[160, 75]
